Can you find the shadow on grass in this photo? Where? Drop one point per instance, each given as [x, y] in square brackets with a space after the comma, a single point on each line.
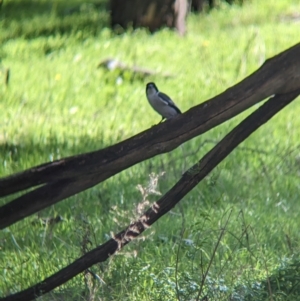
[32, 18]
[283, 284]
[31, 153]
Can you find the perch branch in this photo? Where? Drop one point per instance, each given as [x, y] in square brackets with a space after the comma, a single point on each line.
[66, 177]
[187, 182]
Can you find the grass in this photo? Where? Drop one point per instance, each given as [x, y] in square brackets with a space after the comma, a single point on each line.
[58, 103]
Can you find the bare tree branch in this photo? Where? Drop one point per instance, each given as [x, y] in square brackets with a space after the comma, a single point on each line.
[187, 182]
[278, 75]
[68, 176]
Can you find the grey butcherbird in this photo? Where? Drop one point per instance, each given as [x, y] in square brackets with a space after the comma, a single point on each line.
[161, 102]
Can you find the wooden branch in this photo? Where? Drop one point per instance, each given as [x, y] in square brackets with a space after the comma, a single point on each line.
[68, 176]
[187, 182]
[113, 64]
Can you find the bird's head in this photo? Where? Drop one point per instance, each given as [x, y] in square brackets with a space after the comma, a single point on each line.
[151, 88]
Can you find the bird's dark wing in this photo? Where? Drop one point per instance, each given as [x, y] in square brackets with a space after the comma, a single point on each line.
[168, 101]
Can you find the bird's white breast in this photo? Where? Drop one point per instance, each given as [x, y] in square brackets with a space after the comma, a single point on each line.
[160, 106]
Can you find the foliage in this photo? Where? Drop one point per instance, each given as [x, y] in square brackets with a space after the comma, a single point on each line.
[58, 103]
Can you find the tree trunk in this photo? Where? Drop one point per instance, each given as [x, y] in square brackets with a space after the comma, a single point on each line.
[152, 14]
[197, 5]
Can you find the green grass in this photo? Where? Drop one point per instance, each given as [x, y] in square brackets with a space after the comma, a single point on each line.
[58, 103]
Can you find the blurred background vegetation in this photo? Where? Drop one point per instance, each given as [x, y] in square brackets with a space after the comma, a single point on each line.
[58, 102]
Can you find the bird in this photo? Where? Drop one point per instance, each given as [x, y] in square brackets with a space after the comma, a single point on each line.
[161, 102]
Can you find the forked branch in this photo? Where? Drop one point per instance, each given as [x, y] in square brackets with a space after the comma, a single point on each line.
[187, 182]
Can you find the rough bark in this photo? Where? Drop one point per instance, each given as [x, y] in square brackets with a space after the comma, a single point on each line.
[68, 176]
